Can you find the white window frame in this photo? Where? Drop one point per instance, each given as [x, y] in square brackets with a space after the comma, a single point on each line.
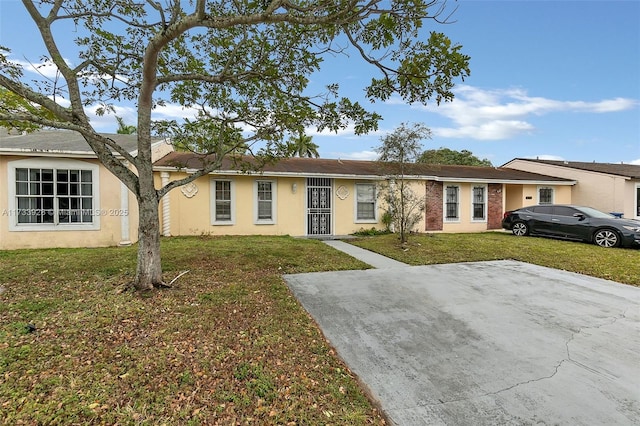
[553, 194]
[55, 164]
[232, 190]
[374, 219]
[274, 192]
[484, 202]
[444, 203]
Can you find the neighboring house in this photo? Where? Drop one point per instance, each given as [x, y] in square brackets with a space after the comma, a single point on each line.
[55, 193]
[326, 197]
[612, 188]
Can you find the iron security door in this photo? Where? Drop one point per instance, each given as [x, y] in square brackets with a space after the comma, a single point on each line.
[318, 206]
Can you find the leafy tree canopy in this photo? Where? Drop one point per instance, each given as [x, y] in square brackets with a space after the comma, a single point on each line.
[403, 145]
[449, 156]
[11, 102]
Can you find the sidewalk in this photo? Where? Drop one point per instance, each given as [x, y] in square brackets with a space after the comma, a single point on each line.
[374, 259]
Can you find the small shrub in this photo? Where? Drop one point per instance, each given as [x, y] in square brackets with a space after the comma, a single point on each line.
[370, 232]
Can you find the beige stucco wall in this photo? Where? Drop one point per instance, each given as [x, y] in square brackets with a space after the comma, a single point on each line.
[465, 222]
[110, 211]
[608, 193]
[514, 197]
[190, 207]
[517, 195]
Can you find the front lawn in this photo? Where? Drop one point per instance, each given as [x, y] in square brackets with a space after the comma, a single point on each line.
[228, 344]
[617, 264]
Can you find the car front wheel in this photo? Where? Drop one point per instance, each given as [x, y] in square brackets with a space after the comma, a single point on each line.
[520, 229]
[606, 238]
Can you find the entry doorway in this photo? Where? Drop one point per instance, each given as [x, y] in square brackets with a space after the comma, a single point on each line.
[319, 206]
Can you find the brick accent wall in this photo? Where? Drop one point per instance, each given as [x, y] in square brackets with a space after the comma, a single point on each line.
[495, 208]
[434, 206]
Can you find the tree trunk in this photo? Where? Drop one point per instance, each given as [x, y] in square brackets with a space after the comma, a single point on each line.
[403, 223]
[149, 269]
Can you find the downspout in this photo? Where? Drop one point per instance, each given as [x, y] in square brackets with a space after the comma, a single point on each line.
[392, 190]
[166, 207]
[125, 238]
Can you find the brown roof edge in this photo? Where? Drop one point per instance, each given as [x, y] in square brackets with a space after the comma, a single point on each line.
[631, 171]
[364, 169]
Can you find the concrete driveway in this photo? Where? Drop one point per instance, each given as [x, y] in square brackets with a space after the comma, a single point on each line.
[487, 343]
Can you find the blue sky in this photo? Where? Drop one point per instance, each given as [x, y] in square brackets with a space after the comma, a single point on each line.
[549, 79]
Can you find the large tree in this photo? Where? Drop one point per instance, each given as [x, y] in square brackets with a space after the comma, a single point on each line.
[245, 65]
[399, 149]
[450, 156]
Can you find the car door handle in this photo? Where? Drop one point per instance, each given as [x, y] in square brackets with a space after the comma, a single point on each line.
[555, 220]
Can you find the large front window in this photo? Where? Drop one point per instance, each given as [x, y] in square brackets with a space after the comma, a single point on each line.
[53, 194]
[365, 202]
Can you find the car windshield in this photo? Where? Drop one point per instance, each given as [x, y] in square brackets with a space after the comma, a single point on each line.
[595, 213]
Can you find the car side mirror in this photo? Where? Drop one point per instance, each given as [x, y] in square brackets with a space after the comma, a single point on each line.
[580, 216]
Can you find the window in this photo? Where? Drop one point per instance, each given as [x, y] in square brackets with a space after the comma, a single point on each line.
[265, 196]
[222, 202]
[451, 205]
[479, 202]
[53, 194]
[365, 202]
[542, 209]
[564, 211]
[545, 195]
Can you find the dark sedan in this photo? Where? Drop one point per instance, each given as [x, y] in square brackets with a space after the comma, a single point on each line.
[573, 223]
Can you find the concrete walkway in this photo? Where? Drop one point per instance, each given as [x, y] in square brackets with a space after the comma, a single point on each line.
[374, 259]
[483, 343]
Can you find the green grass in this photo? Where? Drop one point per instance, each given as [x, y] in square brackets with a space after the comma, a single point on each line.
[227, 344]
[618, 264]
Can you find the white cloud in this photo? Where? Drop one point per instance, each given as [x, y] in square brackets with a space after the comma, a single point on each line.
[45, 69]
[491, 130]
[636, 162]
[360, 155]
[504, 113]
[107, 123]
[49, 70]
[173, 111]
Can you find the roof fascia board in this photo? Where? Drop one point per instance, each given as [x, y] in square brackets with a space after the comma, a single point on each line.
[569, 166]
[267, 173]
[47, 153]
[366, 177]
[504, 181]
[55, 153]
